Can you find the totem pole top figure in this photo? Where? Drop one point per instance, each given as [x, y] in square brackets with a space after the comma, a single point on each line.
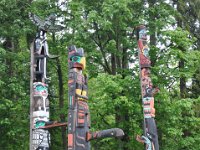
[141, 32]
[143, 47]
[47, 24]
[76, 58]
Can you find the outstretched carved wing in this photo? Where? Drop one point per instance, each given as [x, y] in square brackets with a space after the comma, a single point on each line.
[36, 20]
[55, 28]
[46, 24]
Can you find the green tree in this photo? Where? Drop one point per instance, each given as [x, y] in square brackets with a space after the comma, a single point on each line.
[105, 30]
[14, 58]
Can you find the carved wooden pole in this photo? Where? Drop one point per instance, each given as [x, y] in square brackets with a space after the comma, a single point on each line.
[31, 96]
[150, 137]
[39, 109]
[78, 111]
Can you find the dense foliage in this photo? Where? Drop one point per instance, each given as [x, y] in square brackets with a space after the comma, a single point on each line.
[105, 29]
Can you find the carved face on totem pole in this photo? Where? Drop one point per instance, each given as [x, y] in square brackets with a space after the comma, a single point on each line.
[40, 103]
[76, 58]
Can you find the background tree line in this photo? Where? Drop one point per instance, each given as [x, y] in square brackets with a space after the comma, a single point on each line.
[106, 31]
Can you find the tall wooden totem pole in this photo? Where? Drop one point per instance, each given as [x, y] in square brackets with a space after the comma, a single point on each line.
[78, 111]
[39, 134]
[150, 136]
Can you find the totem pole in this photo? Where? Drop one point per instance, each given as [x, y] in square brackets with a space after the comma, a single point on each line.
[40, 105]
[150, 137]
[78, 111]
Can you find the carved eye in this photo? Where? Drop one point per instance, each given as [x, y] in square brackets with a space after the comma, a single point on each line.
[39, 88]
[76, 59]
[39, 124]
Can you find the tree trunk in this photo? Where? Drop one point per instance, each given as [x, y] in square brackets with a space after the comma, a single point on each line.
[61, 103]
[181, 61]
[61, 100]
[152, 28]
[124, 59]
[113, 64]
